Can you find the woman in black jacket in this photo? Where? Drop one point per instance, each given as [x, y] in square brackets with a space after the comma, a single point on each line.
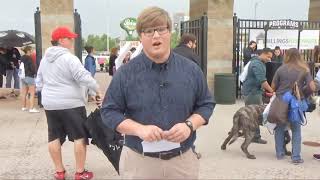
[112, 63]
[28, 82]
[249, 52]
[3, 64]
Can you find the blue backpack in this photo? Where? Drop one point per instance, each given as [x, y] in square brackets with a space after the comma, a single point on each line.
[297, 106]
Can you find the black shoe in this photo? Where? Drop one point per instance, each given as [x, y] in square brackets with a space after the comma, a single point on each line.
[296, 162]
[259, 141]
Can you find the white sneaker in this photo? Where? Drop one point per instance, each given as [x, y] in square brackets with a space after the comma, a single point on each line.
[34, 110]
[24, 109]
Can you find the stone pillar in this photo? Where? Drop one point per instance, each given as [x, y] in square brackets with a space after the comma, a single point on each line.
[220, 34]
[314, 10]
[55, 13]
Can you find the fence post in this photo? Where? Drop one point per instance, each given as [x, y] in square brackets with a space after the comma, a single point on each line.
[38, 38]
[235, 21]
[266, 28]
[77, 29]
[204, 50]
[299, 34]
[38, 42]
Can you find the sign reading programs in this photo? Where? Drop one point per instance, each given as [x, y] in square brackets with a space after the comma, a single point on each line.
[284, 33]
[283, 24]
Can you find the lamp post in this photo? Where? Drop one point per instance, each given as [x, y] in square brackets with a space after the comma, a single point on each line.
[255, 8]
[108, 27]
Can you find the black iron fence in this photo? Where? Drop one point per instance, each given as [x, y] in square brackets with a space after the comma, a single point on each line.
[244, 28]
[38, 37]
[78, 41]
[198, 27]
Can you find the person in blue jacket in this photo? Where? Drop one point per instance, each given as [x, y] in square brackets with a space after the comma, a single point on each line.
[90, 61]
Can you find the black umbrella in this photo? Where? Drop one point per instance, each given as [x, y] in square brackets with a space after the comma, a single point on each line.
[13, 38]
[109, 141]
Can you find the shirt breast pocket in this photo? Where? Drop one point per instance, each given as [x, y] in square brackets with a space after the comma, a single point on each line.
[181, 94]
[134, 98]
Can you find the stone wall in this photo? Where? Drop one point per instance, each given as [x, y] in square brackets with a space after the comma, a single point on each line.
[55, 13]
[314, 10]
[220, 34]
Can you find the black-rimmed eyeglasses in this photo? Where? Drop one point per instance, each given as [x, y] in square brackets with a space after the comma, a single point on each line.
[161, 30]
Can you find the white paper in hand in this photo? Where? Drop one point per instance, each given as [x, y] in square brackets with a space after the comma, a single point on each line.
[159, 146]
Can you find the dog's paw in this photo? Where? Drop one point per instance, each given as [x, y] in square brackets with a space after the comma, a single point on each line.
[223, 147]
[288, 153]
[251, 156]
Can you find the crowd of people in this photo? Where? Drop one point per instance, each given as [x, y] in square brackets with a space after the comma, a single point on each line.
[165, 107]
[293, 69]
[11, 64]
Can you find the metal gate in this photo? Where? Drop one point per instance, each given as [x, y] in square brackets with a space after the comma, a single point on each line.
[78, 30]
[38, 38]
[199, 28]
[241, 37]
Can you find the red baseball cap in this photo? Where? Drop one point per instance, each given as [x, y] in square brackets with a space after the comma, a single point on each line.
[62, 32]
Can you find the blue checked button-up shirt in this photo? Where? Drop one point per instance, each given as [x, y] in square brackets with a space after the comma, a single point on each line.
[157, 94]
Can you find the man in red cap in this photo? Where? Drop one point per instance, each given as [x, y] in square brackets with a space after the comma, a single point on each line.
[63, 81]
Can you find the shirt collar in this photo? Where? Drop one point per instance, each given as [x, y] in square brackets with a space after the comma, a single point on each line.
[150, 64]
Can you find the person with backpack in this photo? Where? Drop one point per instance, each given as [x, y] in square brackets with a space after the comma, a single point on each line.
[293, 70]
[27, 73]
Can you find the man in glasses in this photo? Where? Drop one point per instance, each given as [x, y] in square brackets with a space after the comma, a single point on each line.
[188, 43]
[158, 100]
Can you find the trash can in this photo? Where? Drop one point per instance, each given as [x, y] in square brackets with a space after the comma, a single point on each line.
[225, 88]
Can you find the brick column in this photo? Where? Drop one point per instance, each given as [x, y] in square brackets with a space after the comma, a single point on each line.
[314, 10]
[55, 13]
[220, 34]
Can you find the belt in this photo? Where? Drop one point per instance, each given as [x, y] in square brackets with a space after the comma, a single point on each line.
[167, 155]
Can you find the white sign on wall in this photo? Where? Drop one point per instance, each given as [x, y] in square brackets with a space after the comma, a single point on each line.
[286, 39]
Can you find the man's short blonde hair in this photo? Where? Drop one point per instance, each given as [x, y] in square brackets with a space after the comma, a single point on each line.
[152, 17]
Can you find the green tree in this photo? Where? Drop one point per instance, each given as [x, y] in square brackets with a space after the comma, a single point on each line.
[100, 42]
[175, 38]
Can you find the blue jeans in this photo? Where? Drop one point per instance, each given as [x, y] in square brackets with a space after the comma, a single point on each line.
[12, 74]
[296, 141]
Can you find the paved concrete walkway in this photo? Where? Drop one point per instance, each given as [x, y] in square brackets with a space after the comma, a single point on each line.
[24, 154]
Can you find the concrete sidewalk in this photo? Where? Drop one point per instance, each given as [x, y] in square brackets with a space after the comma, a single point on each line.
[24, 153]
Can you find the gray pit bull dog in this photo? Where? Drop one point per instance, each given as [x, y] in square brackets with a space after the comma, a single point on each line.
[247, 119]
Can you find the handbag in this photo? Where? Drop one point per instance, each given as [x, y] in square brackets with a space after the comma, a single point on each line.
[278, 112]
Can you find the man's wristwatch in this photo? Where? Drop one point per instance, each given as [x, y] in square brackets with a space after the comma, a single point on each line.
[190, 125]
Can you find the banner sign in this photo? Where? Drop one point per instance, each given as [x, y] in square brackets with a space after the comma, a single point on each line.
[129, 25]
[285, 38]
[283, 24]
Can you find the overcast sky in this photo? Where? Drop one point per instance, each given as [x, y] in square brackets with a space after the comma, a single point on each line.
[18, 14]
